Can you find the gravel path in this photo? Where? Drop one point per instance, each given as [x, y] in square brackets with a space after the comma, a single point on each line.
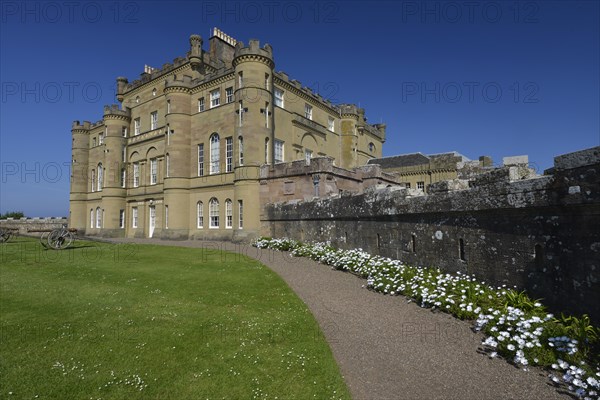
[387, 348]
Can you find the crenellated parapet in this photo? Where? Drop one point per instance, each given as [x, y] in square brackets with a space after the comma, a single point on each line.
[253, 53]
[115, 113]
[78, 127]
[181, 84]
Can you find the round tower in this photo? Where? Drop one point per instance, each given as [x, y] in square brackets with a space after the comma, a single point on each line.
[254, 127]
[349, 114]
[114, 194]
[79, 176]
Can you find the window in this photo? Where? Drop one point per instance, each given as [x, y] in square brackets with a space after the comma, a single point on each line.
[134, 217]
[93, 142]
[124, 131]
[266, 150]
[278, 151]
[101, 139]
[241, 113]
[215, 157]
[215, 98]
[228, 214]
[229, 95]
[153, 171]
[136, 126]
[241, 149]
[200, 214]
[413, 243]
[279, 97]
[153, 120]
[461, 250]
[421, 185]
[201, 104]
[307, 156]
[229, 154]
[98, 217]
[240, 80]
[201, 159]
[213, 210]
[267, 81]
[93, 180]
[371, 147]
[123, 154]
[121, 219]
[91, 217]
[137, 99]
[166, 217]
[408, 185]
[100, 177]
[168, 106]
[267, 114]
[167, 165]
[136, 175]
[123, 177]
[308, 111]
[241, 214]
[331, 124]
[153, 92]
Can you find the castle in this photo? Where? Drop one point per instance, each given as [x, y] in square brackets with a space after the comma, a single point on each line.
[186, 152]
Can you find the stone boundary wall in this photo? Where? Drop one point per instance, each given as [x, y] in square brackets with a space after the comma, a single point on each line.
[24, 225]
[506, 226]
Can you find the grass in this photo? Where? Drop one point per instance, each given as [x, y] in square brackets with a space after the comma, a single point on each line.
[103, 321]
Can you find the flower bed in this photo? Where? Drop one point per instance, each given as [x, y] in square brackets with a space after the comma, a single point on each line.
[518, 328]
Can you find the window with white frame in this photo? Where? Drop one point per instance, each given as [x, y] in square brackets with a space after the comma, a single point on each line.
[215, 98]
[307, 156]
[241, 149]
[201, 159]
[101, 139]
[240, 80]
[201, 104]
[93, 142]
[215, 156]
[278, 151]
[136, 174]
[121, 219]
[228, 214]
[167, 165]
[166, 217]
[168, 106]
[229, 154]
[241, 113]
[279, 97]
[153, 171]
[266, 114]
[124, 131]
[213, 211]
[308, 111]
[200, 215]
[136, 126]
[98, 217]
[240, 214]
[421, 185]
[93, 180]
[91, 217]
[134, 217]
[331, 124]
[153, 120]
[267, 81]
[123, 177]
[100, 177]
[266, 150]
[229, 95]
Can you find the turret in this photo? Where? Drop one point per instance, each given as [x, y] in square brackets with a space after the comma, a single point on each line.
[195, 54]
[350, 115]
[121, 86]
[79, 175]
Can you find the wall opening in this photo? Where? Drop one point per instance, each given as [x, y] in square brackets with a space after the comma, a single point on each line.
[378, 241]
[413, 243]
[461, 250]
[539, 256]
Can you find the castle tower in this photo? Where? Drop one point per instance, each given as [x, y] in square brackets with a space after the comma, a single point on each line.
[79, 176]
[254, 126]
[349, 138]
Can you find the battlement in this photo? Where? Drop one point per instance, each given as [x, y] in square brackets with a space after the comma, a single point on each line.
[253, 49]
[76, 125]
[182, 81]
[113, 109]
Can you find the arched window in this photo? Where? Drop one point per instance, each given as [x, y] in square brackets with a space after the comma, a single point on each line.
[200, 215]
[91, 217]
[100, 176]
[93, 180]
[266, 150]
[98, 217]
[241, 149]
[228, 214]
[213, 210]
[371, 147]
[215, 153]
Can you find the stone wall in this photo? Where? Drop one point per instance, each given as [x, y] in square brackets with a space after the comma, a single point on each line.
[508, 226]
[26, 225]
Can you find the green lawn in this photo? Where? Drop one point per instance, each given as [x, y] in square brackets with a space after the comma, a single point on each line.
[103, 321]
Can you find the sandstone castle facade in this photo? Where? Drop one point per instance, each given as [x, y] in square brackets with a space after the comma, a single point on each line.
[186, 152]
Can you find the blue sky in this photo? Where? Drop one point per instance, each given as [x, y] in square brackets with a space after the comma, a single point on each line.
[498, 78]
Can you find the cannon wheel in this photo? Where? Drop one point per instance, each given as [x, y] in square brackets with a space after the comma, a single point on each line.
[60, 239]
[4, 236]
[44, 239]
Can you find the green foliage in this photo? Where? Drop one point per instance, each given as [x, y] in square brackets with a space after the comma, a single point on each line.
[12, 214]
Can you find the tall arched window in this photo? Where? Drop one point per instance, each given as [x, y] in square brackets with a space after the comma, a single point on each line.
[266, 150]
[91, 217]
[241, 149]
[228, 214]
[100, 176]
[213, 210]
[98, 217]
[93, 180]
[200, 215]
[215, 153]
